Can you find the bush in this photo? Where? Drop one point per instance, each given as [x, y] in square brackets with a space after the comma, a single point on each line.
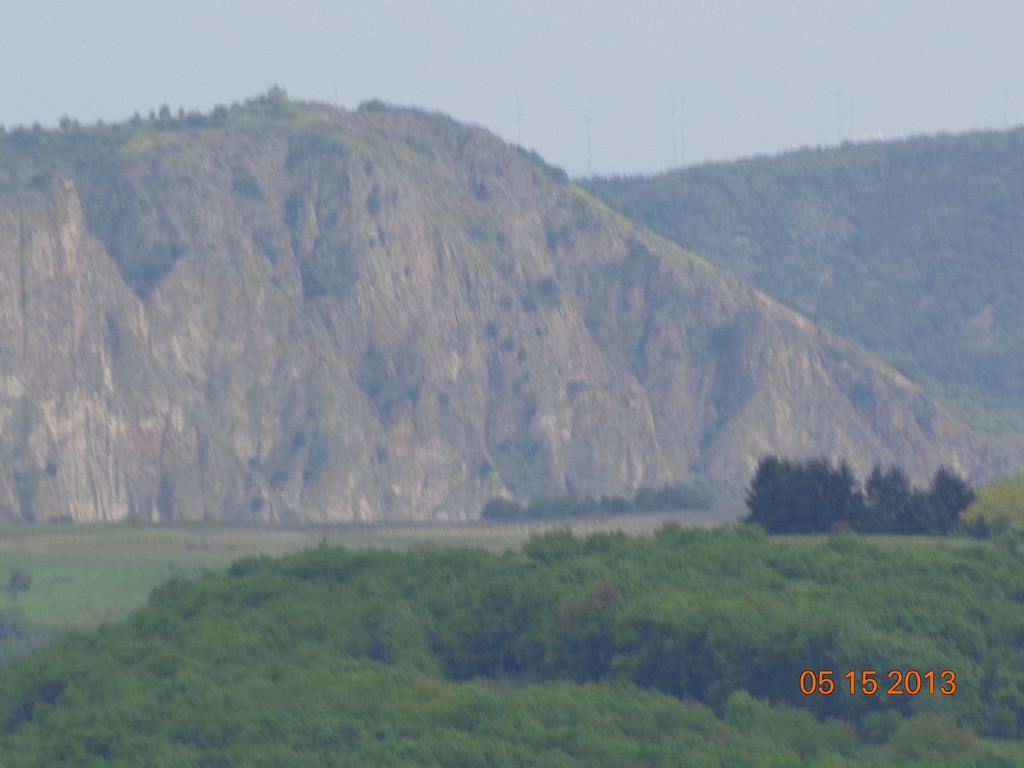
[667, 498]
[929, 737]
[19, 581]
[503, 509]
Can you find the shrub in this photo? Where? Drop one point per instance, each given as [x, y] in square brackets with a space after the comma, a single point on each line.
[503, 509]
[671, 497]
[667, 498]
[19, 581]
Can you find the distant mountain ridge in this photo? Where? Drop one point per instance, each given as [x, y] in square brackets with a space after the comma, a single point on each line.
[913, 248]
[287, 312]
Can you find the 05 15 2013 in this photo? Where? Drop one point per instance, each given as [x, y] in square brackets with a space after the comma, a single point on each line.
[870, 682]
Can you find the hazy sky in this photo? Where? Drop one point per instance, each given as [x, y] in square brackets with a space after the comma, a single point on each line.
[652, 84]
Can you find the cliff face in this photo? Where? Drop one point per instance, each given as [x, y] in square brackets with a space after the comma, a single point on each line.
[911, 248]
[385, 314]
[89, 428]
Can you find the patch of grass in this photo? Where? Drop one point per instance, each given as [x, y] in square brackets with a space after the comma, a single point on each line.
[86, 575]
[999, 506]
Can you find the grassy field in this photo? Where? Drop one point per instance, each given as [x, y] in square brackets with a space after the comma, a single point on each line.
[1000, 505]
[83, 576]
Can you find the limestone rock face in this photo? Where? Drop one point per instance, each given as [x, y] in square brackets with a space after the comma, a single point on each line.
[387, 315]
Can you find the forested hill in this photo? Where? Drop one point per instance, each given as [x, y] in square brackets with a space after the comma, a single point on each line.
[913, 248]
[682, 649]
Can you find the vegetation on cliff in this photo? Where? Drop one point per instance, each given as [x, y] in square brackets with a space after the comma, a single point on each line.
[284, 311]
[667, 498]
[908, 247]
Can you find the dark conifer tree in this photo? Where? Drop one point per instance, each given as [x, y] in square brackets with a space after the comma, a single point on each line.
[887, 502]
[803, 497]
[814, 496]
[766, 497]
[949, 495]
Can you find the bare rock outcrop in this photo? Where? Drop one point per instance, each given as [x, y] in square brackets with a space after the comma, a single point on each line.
[385, 314]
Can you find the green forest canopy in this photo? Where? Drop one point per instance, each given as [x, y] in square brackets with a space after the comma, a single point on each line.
[606, 651]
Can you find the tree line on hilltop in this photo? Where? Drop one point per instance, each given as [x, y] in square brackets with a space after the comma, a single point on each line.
[815, 496]
[666, 498]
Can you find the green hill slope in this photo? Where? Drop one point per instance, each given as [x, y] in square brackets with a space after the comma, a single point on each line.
[999, 506]
[912, 248]
[606, 651]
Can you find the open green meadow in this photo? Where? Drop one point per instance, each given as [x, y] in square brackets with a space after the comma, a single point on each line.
[999, 507]
[87, 575]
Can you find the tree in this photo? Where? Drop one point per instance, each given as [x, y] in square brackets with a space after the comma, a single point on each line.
[766, 496]
[842, 502]
[813, 496]
[887, 502]
[503, 509]
[792, 497]
[580, 640]
[949, 495]
[275, 102]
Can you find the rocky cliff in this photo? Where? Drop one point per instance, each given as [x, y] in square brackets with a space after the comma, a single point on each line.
[911, 248]
[285, 312]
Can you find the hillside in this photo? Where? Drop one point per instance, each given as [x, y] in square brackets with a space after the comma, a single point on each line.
[286, 312]
[999, 506]
[606, 651]
[911, 248]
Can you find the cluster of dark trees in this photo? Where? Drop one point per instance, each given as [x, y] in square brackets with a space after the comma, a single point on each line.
[814, 496]
[666, 498]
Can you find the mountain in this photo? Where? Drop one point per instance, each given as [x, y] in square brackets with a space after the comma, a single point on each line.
[287, 312]
[910, 248]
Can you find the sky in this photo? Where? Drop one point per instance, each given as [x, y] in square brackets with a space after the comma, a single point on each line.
[594, 86]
